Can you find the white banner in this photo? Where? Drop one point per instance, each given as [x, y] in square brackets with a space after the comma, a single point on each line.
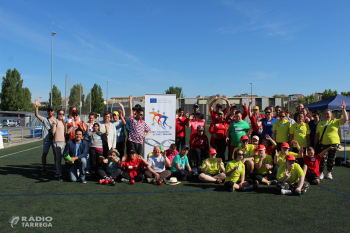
[160, 111]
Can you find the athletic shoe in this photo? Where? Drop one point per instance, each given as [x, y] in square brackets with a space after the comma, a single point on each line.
[329, 176]
[247, 187]
[286, 192]
[273, 182]
[60, 178]
[255, 184]
[321, 176]
[57, 175]
[83, 181]
[44, 172]
[232, 189]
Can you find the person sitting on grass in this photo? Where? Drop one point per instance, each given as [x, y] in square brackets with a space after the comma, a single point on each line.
[312, 163]
[77, 149]
[280, 157]
[235, 173]
[157, 164]
[132, 166]
[111, 166]
[248, 152]
[180, 168]
[263, 164]
[213, 169]
[171, 152]
[291, 178]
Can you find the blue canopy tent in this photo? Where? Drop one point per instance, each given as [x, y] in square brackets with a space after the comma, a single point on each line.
[331, 103]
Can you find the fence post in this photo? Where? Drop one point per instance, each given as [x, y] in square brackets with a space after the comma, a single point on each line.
[8, 138]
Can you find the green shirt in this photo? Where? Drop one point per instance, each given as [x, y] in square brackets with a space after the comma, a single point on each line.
[183, 161]
[282, 131]
[237, 130]
[263, 170]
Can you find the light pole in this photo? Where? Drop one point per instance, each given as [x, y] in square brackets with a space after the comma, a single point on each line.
[52, 34]
[251, 90]
[107, 97]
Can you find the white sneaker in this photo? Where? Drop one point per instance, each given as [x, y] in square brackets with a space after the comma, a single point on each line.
[329, 176]
[321, 176]
[286, 192]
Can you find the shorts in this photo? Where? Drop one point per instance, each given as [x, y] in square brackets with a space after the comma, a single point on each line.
[311, 176]
[46, 146]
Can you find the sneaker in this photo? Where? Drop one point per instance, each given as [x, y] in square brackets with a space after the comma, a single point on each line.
[60, 178]
[83, 181]
[286, 192]
[273, 182]
[232, 189]
[329, 176]
[57, 175]
[247, 187]
[87, 172]
[44, 172]
[255, 184]
[321, 176]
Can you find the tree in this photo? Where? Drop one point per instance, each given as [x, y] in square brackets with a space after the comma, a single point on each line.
[56, 98]
[74, 96]
[13, 95]
[97, 104]
[308, 100]
[326, 94]
[175, 90]
[346, 93]
[86, 104]
[276, 96]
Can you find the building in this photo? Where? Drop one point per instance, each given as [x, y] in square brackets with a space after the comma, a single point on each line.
[126, 99]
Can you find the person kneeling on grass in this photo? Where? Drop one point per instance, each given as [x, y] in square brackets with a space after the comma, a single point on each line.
[180, 164]
[312, 163]
[235, 175]
[133, 164]
[291, 178]
[77, 149]
[213, 169]
[110, 166]
[157, 164]
[263, 165]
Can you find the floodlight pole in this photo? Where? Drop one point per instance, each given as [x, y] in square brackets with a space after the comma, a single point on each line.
[52, 34]
[107, 97]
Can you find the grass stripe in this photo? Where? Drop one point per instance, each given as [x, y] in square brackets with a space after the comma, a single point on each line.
[333, 191]
[20, 151]
[76, 194]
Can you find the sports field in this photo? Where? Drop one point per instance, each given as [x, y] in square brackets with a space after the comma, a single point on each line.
[188, 207]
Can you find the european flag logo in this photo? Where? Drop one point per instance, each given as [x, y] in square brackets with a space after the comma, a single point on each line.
[153, 100]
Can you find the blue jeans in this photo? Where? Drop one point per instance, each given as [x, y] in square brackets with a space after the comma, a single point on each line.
[73, 176]
[182, 175]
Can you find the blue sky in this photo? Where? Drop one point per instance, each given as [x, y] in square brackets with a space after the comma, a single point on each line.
[205, 47]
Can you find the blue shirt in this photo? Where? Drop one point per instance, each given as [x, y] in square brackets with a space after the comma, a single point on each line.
[312, 126]
[267, 126]
[77, 148]
[120, 130]
[127, 126]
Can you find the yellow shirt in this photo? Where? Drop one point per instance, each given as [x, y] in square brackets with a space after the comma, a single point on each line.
[299, 133]
[331, 135]
[263, 170]
[213, 168]
[295, 173]
[236, 175]
[282, 158]
[248, 152]
[282, 130]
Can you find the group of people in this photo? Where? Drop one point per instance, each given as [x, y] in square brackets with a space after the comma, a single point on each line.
[283, 152]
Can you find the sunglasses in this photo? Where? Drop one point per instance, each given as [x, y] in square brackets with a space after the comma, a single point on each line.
[74, 115]
[240, 154]
[141, 114]
[50, 110]
[245, 141]
[60, 114]
[286, 148]
[267, 112]
[282, 116]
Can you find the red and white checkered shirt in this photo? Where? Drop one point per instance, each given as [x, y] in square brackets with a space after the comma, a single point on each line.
[137, 130]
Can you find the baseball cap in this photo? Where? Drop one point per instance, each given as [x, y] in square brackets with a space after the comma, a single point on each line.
[115, 113]
[212, 151]
[195, 106]
[161, 148]
[244, 137]
[199, 127]
[290, 157]
[255, 137]
[233, 106]
[50, 108]
[137, 106]
[219, 105]
[75, 112]
[285, 145]
[185, 147]
[261, 147]
[256, 107]
[221, 113]
[198, 113]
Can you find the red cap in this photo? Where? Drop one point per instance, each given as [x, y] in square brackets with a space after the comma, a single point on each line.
[285, 145]
[290, 157]
[244, 137]
[212, 151]
[261, 147]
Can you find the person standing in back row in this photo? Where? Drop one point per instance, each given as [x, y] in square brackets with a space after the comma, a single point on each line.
[181, 122]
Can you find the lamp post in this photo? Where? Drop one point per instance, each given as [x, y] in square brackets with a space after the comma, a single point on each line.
[107, 97]
[251, 90]
[52, 34]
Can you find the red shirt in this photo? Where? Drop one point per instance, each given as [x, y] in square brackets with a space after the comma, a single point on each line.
[215, 115]
[181, 122]
[72, 133]
[230, 118]
[313, 163]
[254, 126]
[133, 166]
[219, 128]
[203, 141]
